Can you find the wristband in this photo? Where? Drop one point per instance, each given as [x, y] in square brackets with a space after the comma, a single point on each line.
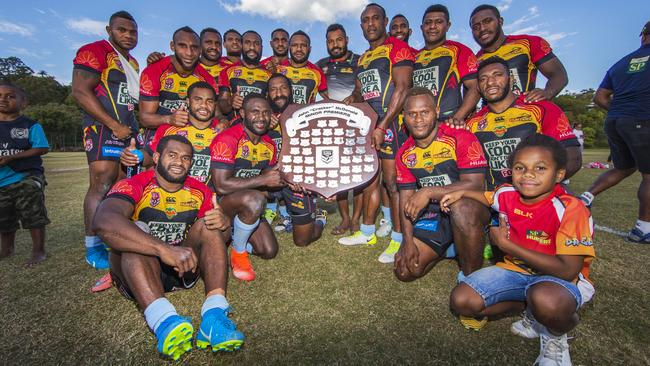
[139, 154]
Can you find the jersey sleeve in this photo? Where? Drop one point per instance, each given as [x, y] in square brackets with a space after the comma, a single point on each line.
[153, 144]
[150, 82]
[405, 179]
[401, 55]
[556, 125]
[575, 235]
[274, 154]
[607, 82]
[498, 196]
[322, 87]
[129, 190]
[37, 138]
[540, 50]
[469, 153]
[206, 202]
[90, 57]
[467, 63]
[223, 152]
[207, 77]
[224, 81]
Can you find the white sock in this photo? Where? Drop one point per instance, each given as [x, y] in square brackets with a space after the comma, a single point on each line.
[92, 241]
[644, 226]
[157, 312]
[214, 301]
[588, 197]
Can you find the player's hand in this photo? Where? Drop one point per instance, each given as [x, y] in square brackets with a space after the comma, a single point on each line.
[127, 156]
[500, 235]
[377, 138]
[275, 119]
[406, 258]
[180, 117]
[349, 99]
[448, 199]
[272, 65]
[182, 259]
[215, 219]
[457, 123]
[154, 57]
[121, 131]
[237, 100]
[416, 203]
[4, 160]
[273, 178]
[536, 95]
[222, 125]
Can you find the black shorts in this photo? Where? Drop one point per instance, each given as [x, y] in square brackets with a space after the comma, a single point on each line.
[433, 228]
[168, 276]
[23, 203]
[393, 139]
[629, 143]
[301, 207]
[101, 144]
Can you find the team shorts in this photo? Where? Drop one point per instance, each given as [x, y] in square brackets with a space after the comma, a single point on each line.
[629, 143]
[496, 284]
[394, 138]
[23, 204]
[433, 228]
[101, 144]
[301, 207]
[170, 279]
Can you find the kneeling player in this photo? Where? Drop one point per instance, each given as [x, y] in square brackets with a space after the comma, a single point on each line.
[546, 235]
[165, 231]
[435, 160]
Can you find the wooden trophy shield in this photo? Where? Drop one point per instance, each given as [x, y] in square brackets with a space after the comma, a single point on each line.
[327, 146]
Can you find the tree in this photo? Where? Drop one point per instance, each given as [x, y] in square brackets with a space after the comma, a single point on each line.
[578, 107]
[12, 68]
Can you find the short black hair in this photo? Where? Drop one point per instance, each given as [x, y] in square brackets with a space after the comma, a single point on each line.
[278, 75]
[209, 30]
[436, 8]
[251, 32]
[383, 11]
[485, 7]
[200, 85]
[492, 60]
[546, 142]
[300, 33]
[418, 90]
[186, 29]
[225, 34]
[18, 90]
[250, 97]
[162, 144]
[279, 30]
[400, 15]
[121, 14]
[334, 27]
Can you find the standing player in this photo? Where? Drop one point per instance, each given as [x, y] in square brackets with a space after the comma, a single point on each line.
[340, 71]
[507, 118]
[232, 42]
[280, 46]
[101, 87]
[384, 75]
[399, 28]
[211, 48]
[435, 160]
[446, 67]
[524, 54]
[165, 231]
[625, 94]
[164, 84]
[241, 79]
[306, 78]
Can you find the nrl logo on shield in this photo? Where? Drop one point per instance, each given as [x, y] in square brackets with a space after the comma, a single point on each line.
[327, 156]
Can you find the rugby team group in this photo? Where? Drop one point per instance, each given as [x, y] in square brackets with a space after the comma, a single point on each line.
[475, 161]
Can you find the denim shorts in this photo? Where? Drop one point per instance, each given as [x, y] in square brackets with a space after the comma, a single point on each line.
[496, 284]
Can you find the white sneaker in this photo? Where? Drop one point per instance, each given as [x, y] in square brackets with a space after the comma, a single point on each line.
[553, 351]
[385, 227]
[388, 256]
[358, 239]
[527, 327]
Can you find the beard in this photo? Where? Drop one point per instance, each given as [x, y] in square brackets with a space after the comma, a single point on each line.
[199, 118]
[168, 177]
[300, 61]
[233, 53]
[279, 109]
[283, 54]
[338, 52]
[500, 97]
[251, 60]
[180, 62]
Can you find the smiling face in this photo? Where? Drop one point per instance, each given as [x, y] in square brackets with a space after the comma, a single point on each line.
[174, 162]
[399, 28]
[373, 24]
[186, 49]
[434, 28]
[256, 115]
[201, 104]
[420, 116]
[535, 173]
[211, 46]
[279, 93]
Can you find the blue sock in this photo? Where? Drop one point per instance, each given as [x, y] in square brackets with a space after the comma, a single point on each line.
[93, 241]
[321, 221]
[213, 302]
[396, 236]
[249, 248]
[367, 230]
[241, 233]
[157, 312]
[461, 276]
[386, 212]
[283, 211]
[273, 206]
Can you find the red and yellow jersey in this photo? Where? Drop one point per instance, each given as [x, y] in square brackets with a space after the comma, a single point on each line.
[234, 151]
[215, 70]
[524, 54]
[500, 133]
[238, 78]
[169, 215]
[558, 225]
[451, 153]
[443, 70]
[201, 140]
[375, 72]
[306, 81]
[101, 58]
[274, 134]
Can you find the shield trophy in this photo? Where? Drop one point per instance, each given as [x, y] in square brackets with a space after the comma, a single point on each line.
[324, 143]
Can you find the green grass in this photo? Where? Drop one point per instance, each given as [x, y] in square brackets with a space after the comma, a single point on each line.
[324, 304]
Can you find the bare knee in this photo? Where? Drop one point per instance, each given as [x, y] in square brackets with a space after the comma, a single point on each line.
[253, 203]
[408, 275]
[267, 251]
[465, 301]
[469, 215]
[551, 303]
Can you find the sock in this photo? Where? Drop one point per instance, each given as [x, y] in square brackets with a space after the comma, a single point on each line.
[93, 241]
[396, 236]
[644, 226]
[273, 206]
[249, 248]
[386, 212]
[241, 233]
[587, 197]
[283, 211]
[321, 221]
[367, 230]
[460, 277]
[157, 312]
[213, 302]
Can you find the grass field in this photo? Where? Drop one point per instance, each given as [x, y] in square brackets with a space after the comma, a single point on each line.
[324, 304]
